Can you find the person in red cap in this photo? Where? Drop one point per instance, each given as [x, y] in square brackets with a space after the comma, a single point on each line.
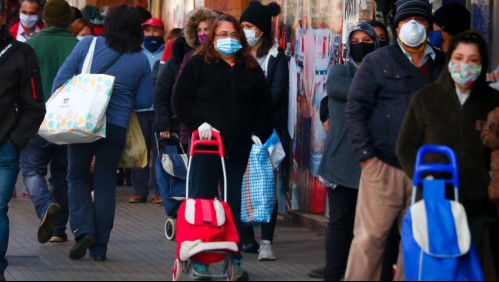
[144, 179]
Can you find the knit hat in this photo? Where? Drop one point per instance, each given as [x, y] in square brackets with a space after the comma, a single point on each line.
[57, 11]
[413, 8]
[261, 16]
[453, 18]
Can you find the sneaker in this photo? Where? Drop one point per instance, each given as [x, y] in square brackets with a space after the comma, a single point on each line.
[241, 275]
[79, 250]
[45, 228]
[58, 239]
[265, 252]
[200, 272]
[318, 273]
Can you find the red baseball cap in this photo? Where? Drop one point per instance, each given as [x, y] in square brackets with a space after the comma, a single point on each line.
[154, 22]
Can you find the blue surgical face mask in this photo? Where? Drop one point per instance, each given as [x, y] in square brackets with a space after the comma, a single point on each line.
[436, 39]
[228, 46]
[251, 37]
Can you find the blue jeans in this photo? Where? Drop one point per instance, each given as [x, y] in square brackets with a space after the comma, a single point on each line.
[9, 168]
[144, 179]
[34, 162]
[95, 217]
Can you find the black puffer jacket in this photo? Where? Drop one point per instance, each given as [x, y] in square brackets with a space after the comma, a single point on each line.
[22, 105]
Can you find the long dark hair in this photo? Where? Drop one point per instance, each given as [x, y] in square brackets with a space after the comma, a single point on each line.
[208, 48]
[122, 29]
[472, 37]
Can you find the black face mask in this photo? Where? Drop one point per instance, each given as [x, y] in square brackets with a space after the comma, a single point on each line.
[360, 50]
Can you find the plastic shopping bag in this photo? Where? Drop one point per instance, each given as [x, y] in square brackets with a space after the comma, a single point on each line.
[135, 153]
[258, 192]
[276, 151]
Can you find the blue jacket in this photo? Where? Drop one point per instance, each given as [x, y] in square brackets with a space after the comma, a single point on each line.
[132, 72]
[378, 100]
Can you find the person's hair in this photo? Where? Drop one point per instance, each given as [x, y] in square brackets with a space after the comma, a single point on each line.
[265, 46]
[37, 2]
[173, 33]
[208, 48]
[122, 29]
[375, 23]
[78, 24]
[75, 14]
[144, 14]
[472, 37]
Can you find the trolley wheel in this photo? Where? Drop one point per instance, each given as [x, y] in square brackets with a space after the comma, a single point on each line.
[177, 270]
[232, 271]
[170, 229]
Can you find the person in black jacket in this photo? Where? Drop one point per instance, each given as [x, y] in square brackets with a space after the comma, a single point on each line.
[224, 89]
[256, 21]
[22, 108]
[377, 101]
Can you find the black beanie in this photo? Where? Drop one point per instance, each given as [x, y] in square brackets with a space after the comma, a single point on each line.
[261, 16]
[56, 12]
[453, 18]
[413, 8]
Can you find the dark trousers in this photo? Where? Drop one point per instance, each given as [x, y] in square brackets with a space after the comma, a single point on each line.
[267, 229]
[144, 179]
[206, 175]
[35, 160]
[95, 217]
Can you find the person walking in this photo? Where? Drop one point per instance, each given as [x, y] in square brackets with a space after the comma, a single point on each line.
[452, 112]
[22, 109]
[450, 20]
[92, 221]
[223, 88]
[52, 46]
[28, 25]
[144, 182]
[377, 101]
[256, 22]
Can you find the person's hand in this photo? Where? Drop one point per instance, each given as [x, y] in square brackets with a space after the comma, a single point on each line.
[256, 140]
[325, 126]
[164, 134]
[365, 163]
[205, 131]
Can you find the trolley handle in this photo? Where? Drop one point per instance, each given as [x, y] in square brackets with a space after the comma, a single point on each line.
[422, 168]
[215, 142]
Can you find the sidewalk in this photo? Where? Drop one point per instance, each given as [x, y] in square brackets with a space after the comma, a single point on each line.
[138, 249]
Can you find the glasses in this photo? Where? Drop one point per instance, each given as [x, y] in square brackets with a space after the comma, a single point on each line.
[233, 35]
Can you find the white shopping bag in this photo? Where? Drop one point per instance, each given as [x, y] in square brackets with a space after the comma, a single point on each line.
[76, 112]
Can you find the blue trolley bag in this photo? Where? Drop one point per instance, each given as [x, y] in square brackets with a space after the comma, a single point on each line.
[171, 172]
[436, 238]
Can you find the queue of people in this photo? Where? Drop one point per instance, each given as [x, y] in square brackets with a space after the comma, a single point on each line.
[229, 75]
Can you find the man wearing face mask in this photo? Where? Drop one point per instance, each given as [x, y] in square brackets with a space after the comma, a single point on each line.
[22, 109]
[28, 25]
[377, 102]
[450, 20]
[144, 179]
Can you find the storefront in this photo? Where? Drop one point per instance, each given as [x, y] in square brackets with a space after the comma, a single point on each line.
[311, 33]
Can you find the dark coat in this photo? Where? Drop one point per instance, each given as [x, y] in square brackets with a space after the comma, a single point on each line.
[278, 78]
[378, 99]
[234, 100]
[22, 105]
[435, 116]
[338, 164]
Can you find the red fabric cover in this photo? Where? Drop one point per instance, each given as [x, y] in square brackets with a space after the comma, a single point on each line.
[205, 232]
[167, 52]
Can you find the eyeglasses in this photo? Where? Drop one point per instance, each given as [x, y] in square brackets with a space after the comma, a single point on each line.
[233, 35]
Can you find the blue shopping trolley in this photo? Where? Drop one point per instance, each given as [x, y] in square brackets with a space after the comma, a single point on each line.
[436, 239]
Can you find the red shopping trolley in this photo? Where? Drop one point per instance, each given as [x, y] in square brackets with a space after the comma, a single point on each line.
[206, 232]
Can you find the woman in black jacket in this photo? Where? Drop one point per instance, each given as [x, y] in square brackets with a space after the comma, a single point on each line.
[224, 89]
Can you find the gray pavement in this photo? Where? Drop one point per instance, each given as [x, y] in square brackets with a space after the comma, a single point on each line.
[138, 249]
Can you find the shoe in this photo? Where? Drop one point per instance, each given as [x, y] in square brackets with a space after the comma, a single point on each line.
[241, 275]
[200, 272]
[99, 258]
[58, 239]
[134, 199]
[318, 273]
[265, 252]
[45, 231]
[79, 250]
[25, 195]
[250, 247]
[157, 200]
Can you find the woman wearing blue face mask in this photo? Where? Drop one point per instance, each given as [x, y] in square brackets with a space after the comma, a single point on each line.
[256, 22]
[222, 88]
[452, 112]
